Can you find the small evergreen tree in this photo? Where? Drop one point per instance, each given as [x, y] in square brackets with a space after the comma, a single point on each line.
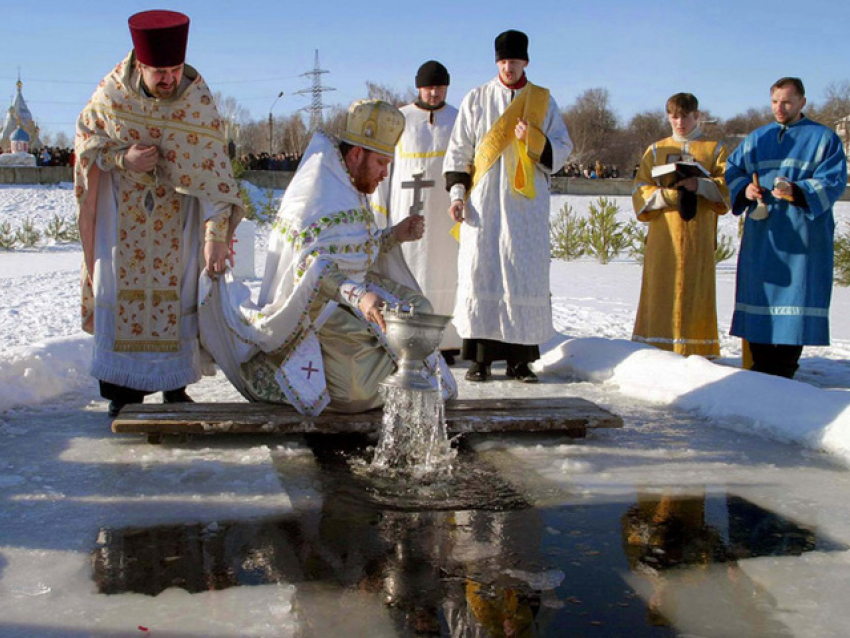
[28, 235]
[8, 237]
[269, 209]
[247, 204]
[636, 232]
[605, 235]
[61, 230]
[238, 167]
[725, 248]
[841, 270]
[566, 234]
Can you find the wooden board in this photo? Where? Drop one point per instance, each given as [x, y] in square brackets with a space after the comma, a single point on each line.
[564, 415]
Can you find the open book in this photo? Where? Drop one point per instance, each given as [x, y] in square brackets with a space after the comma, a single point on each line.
[669, 174]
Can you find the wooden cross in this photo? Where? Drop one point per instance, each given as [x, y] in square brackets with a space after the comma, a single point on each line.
[310, 370]
[418, 184]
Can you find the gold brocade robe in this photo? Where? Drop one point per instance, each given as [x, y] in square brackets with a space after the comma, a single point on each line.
[678, 305]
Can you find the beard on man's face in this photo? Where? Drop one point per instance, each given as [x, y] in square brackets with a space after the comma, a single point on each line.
[360, 175]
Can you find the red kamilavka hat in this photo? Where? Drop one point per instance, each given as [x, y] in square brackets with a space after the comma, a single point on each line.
[159, 37]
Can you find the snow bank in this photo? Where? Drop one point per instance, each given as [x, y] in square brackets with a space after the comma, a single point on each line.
[745, 401]
[38, 373]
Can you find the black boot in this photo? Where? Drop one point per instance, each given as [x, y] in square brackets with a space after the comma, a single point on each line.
[176, 396]
[119, 396]
[478, 372]
[521, 372]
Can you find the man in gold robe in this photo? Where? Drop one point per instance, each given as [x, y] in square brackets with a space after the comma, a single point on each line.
[678, 305]
[156, 204]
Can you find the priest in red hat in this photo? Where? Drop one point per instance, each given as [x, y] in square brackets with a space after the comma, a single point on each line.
[156, 204]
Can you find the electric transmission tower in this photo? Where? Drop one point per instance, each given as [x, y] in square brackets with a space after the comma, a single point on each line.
[316, 106]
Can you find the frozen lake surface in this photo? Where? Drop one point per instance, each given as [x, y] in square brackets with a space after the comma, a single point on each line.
[719, 509]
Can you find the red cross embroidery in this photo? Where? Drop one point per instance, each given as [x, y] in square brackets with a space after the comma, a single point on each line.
[233, 243]
[310, 370]
[350, 293]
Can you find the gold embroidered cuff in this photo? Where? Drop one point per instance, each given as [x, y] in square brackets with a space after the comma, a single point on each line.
[389, 240]
[215, 228]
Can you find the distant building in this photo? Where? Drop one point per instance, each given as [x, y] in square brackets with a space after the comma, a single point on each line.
[20, 141]
[19, 116]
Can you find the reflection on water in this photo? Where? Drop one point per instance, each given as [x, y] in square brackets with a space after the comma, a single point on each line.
[685, 566]
[659, 565]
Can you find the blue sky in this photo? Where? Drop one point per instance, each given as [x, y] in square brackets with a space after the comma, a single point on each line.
[727, 53]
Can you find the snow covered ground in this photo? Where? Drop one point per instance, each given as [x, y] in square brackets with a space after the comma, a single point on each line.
[690, 425]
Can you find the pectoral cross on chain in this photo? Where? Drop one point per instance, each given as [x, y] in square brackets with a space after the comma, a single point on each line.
[418, 184]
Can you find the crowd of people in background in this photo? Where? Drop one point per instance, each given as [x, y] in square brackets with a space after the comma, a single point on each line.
[597, 170]
[266, 162]
[54, 156]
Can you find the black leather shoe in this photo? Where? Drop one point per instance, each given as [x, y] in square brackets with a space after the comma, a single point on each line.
[114, 408]
[176, 396]
[478, 372]
[521, 372]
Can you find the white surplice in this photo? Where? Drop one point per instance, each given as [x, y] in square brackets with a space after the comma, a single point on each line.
[503, 266]
[419, 157]
[280, 349]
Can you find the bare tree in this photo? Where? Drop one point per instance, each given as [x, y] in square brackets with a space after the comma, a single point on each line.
[593, 126]
[292, 133]
[234, 117]
[642, 130]
[62, 140]
[253, 137]
[748, 121]
[335, 121]
[835, 107]
[386, 93]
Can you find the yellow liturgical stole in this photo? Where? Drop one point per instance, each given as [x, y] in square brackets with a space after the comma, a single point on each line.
[530, 105]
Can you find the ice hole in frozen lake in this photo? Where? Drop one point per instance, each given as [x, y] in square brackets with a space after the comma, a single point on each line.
[477, 553]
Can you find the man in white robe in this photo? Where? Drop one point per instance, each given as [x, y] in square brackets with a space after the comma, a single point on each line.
[316, 339]
[415, 187]
[509, 137]
[156, 203]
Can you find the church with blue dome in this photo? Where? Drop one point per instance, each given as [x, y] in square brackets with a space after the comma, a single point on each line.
[18, 126]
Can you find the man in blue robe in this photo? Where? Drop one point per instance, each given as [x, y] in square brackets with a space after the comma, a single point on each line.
[793, 170]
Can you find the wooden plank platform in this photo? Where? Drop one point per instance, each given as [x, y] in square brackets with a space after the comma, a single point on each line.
[570, 416]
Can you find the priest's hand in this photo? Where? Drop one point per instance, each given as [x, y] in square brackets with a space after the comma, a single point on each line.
[456, 210]
[411, 228]
[753, 192]
[689, 184]
[783, 189]
[141, 158]
[216, 256]
[370, 305]
[521, 129]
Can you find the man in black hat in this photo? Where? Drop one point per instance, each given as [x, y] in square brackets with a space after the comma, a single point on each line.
[509, 137]
[415, 188]
[156, 204]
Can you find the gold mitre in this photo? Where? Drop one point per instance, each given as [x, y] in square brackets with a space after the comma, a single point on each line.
[375, 125]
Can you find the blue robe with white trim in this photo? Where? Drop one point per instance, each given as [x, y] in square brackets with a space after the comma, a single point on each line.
[784, 278]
